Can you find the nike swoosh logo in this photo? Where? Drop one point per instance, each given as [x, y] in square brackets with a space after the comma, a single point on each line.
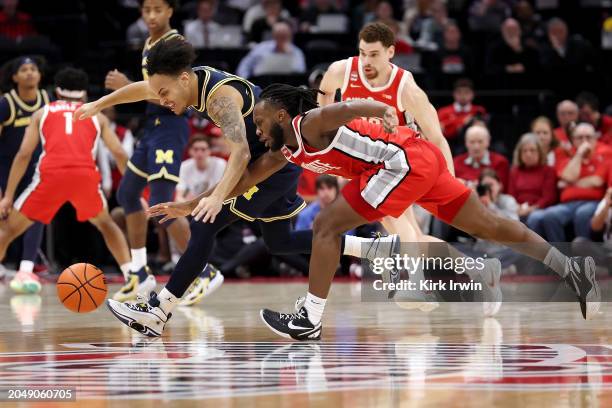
[294, 327]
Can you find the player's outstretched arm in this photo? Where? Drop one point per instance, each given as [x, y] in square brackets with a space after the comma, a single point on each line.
[417, 103]
[225, 109]
[134, 92]
[112, 142]
[30, 140]
[331, 117]
[332, 80]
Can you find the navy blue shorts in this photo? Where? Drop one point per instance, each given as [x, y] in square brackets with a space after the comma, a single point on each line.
[5, 168]
[159, 152]
[274, 199]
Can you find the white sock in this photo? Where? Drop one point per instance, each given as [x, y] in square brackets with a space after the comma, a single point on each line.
[314, 306]
[353, 245]
[125, 270]
[26, 266]
[139, 258]
[556, 261]
[167, 301]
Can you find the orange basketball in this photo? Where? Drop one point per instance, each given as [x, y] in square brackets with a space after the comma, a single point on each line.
[81, 287]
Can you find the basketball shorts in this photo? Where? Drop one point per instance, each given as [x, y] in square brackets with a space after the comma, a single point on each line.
[159, 152]
[273, 199]
[49, 191]
[425, 181]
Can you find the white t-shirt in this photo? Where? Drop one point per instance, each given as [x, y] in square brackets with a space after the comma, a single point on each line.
[607, 232]
[196, 181]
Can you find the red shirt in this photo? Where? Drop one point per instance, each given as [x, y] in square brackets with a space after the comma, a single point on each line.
[605, 129]
[18, 26]
[595, 166]
[453, 118]
[535, 186]
[471, 172]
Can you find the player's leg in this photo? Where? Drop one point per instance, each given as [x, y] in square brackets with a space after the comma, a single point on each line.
[114, 239]
[281, 238]
[15, 225]
[407, 227]
[162, 191]
[150, 318]
[32, 240]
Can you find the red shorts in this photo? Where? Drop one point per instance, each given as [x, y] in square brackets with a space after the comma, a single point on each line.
[426, 181]
[50, 190]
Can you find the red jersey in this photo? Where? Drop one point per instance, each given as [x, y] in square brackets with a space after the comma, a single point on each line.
[355, 86]
[358, 147]
[67, 143]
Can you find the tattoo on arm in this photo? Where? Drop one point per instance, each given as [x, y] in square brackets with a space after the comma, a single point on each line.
[226, 114]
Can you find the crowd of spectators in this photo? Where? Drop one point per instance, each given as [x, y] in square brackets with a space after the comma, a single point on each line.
[557, 178]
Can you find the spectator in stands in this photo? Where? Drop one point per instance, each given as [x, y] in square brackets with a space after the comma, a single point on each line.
[542, 127]
[326, 190]
[432, 31]
[453, 56]
[261, 28]
[588, 105]
[414, 17]
[15, 24]
[567, 114]
[200, 172]
[510, 55]
[563, 53]
[532, 182]
[136, 34]
[489, 190]
[256, 12]
[280, 45]
[310, 17]
[468, 166]
[487, 15]
[602, 220]
[456, 117]
[199, 32]
[531, 24]
[582, 187]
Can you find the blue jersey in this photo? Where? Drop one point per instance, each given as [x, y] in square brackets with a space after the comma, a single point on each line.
[211, 79]
[15, 116]
[152, 108]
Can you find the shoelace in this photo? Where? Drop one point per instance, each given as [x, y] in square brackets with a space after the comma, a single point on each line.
[292, 316]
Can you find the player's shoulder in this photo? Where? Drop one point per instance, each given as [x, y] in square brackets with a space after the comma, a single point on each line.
[338, 67]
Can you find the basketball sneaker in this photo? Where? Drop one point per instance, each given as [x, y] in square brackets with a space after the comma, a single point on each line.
[295, 326]
[385, 249]
[135, 286]
[144, 316]
[580, 277]
[209, 281]
[491, 288]
[25, 282]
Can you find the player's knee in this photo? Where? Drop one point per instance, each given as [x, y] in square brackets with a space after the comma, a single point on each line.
[128, 198]
[162, 191]
[324, 228]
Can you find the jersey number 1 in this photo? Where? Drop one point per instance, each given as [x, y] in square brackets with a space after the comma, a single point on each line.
[68, 116]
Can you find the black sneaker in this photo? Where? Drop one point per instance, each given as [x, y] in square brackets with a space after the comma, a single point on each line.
[295, 326]
[581, 279]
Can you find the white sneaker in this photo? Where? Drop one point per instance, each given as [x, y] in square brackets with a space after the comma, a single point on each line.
[491, 289]
[141, 315]
[203, 286]
[25, 282]
[134, 287]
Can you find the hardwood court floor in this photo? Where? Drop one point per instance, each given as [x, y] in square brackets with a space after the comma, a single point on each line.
[372, 354]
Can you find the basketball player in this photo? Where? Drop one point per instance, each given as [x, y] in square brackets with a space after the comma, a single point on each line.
[390, 169]
[228, 100]
[156, 160]
[16, 109]
[66, 171]
[371, 75]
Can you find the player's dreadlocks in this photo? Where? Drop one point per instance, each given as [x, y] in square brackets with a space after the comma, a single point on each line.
[295, 100]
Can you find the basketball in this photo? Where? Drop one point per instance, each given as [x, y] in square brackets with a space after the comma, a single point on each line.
[81, 287]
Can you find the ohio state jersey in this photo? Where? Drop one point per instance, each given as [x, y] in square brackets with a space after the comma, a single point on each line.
[67, 143]
[356, 86]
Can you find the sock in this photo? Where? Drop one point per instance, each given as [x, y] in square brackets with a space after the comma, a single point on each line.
[139, 258]
[167, 301]
[314, 306]
[556, 261]
[26, 266]
[352, 244]
[125, 270]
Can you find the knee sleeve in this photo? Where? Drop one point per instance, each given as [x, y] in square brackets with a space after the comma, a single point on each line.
[130, 191]
[281, 239]
[162, 191]
[31, 242]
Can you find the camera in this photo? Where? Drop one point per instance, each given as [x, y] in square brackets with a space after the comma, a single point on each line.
[483, 189]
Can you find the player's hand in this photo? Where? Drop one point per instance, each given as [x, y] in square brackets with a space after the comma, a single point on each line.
[87, 110]
[207, 209]
[170, 210]
[6, 205]
[115, 80]
[390, 120]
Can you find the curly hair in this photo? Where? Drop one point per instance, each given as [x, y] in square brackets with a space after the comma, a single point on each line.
[170, 57]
